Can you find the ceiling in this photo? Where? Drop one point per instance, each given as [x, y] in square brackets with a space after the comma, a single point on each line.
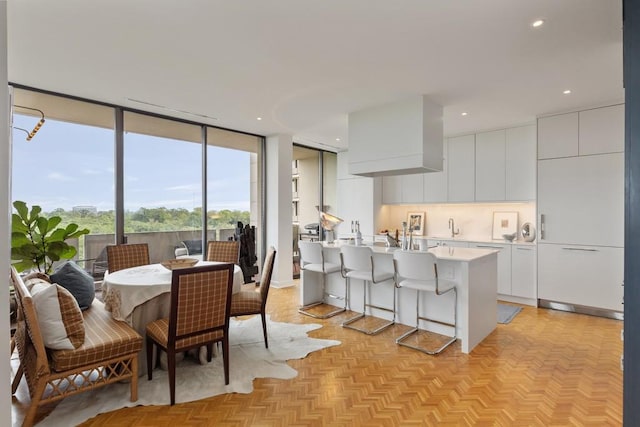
[302, 66]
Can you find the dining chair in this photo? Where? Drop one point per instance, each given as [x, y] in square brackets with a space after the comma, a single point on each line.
[223, 251]
[357, 262]
[199, 316]
[128, 255]
[250, 302]
[312, 259]
[419, 270]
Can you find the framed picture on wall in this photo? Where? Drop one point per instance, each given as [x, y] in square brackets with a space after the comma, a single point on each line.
[415, 222]
[504, 223]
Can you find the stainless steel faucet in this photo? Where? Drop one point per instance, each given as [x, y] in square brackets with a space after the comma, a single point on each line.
[452, 228]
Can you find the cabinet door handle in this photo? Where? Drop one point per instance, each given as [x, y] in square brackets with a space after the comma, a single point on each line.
[581, 249]
[542, 228]
[490, 247]
[524, 249]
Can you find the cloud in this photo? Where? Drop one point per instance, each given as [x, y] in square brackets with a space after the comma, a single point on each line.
[57, 176]
[186, 187]
[91, 172]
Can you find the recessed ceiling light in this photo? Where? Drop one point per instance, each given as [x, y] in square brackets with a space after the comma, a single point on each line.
[338, 139]
[537, 23]
[465, 113]
[259, 118]
[566, 92]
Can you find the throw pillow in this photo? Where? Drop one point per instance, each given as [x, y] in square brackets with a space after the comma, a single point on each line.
[77, 281]
[33, 278]
[59, 316]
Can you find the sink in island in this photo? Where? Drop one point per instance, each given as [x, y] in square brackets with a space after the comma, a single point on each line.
[474, 271]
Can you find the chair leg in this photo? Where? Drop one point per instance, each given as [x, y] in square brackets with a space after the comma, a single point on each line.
[134, 377]
[225, 355]
[16, 379]
[150, 345]
[264, 329]
[209, 351]
[304, 309]
[379, 329]
[171, 365]
[35, 403]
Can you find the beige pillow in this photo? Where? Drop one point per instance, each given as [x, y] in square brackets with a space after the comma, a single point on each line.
[59, 316]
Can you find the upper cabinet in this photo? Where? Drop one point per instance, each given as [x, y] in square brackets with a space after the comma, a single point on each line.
[588, 132]
[520, 148]
[434, 184]
[558, 136]
[490, 166]
[461, 168]
[602, 130]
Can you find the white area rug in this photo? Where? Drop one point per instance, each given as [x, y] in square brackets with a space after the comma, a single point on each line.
[248, 359]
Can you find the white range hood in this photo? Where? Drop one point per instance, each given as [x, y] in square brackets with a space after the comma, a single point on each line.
[396, 139]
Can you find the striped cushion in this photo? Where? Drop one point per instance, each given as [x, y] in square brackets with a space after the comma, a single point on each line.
[245, 302]
[159, 331]
[105, 338]
[59, 316]
[223, 251]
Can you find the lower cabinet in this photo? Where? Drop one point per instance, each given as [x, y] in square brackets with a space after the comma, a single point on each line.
[442, 242]
[523, 271]
[591, 276]
[504, 264]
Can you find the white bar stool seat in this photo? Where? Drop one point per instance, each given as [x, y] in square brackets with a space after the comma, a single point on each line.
[312, 259]
[358, 263]
[419, 270]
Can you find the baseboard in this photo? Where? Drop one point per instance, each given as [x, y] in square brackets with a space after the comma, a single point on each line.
[576, 308]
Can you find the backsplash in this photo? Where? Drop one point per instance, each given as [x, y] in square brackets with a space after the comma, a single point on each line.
[475, 220]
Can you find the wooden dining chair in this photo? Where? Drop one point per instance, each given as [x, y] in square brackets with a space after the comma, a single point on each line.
[250, 302]
[223, 251]
[199, 316]
[129, 255]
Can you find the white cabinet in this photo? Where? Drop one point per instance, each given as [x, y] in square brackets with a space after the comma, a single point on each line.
[602, 130]
[581, 200]
[434, 184]
[461, 168]
[523, 271]
[586, 275]
[392, 189]
[504, 264]
[490, 166]
[520, 149]
[558, 136]
[402, 189]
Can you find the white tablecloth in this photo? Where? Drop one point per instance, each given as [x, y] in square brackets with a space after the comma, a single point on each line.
[140, 295]
[126, 289]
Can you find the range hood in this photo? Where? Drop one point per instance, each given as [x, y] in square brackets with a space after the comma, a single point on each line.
[396, 139]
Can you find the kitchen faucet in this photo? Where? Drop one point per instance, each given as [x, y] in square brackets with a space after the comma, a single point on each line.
[452, 228]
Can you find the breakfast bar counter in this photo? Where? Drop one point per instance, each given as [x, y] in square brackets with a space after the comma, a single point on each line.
[473, 270]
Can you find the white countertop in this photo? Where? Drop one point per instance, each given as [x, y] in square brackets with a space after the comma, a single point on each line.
[470, 239]
[445, 253]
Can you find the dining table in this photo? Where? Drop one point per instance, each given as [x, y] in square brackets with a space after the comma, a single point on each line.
[139, 295]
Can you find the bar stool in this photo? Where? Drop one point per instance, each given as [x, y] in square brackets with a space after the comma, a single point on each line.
[418, 270]
[312, 259]
[358, 263]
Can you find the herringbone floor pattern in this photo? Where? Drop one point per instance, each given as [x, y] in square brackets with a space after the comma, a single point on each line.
[545, 368]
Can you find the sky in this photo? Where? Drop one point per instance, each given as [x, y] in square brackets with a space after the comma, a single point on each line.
[67, 165]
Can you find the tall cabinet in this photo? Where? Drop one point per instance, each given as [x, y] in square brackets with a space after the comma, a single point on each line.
[581, 208]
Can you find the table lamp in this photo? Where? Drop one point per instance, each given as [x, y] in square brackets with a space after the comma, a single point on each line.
[328, 223]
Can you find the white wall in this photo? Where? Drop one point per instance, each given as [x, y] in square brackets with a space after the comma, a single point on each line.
[475, 220]
[5, 194]
[279, 153]
[308, 191]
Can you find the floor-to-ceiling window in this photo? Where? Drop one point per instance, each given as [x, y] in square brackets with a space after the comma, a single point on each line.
[67, 166]
[70, 168]
[162, 184]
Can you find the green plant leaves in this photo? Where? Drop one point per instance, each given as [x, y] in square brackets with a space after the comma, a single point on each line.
[35, 240]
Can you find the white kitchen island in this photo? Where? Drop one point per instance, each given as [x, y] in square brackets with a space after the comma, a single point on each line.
[473, 270]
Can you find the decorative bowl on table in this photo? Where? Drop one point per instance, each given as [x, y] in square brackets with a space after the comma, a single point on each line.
[174, 264]
[509, 237]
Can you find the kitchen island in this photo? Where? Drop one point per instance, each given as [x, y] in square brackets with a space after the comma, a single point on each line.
[473, 270]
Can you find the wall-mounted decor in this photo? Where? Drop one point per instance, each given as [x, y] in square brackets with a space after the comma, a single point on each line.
[415, 220]
[504, 223]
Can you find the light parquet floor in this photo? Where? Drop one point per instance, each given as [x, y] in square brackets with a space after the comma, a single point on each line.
[545, 368]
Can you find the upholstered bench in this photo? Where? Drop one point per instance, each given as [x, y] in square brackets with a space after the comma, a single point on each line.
[100, 350]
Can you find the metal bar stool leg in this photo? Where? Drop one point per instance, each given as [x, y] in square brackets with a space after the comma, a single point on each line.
[338, 310]
[349, 323]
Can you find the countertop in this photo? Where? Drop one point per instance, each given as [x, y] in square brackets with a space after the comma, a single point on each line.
[445, 253]
[468, 239]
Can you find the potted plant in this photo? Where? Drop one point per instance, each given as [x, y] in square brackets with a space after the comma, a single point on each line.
[37, 241]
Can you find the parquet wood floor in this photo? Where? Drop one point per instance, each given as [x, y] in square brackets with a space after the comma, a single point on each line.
[545, 368]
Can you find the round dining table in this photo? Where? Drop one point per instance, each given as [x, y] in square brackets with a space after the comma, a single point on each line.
[140, 295]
